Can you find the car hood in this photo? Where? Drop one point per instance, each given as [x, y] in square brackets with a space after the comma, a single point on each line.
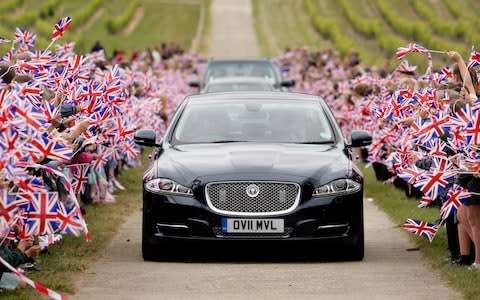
[251, 161]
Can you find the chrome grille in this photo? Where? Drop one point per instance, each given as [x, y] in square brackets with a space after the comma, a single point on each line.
[273, 198]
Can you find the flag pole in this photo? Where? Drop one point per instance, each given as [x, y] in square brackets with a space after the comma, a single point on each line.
[50, 45]
[436, 51]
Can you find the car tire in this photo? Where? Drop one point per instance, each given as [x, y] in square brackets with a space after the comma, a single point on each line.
[149, 251]
[357, 251]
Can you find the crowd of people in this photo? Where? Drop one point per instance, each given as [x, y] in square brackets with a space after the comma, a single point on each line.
[425, 127]
[66, 132]
[67, 123]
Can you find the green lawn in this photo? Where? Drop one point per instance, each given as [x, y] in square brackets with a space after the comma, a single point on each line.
[399, 208]
[71, 256]
[288, 25]
[162, 22]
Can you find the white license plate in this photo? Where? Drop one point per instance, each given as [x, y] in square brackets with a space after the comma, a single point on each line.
[252, 225]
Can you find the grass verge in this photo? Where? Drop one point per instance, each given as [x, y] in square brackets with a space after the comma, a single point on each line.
[205, 39]
[67, 259]
[399, 208]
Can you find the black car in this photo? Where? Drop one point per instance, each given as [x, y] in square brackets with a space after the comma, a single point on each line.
[262, 68]
[253, 166]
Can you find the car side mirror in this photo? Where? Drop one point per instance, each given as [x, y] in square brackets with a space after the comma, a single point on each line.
[360, 138]
[287, 83]
[145, 137]
[194, 84]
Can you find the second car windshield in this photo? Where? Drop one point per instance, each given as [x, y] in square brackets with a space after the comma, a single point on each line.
[234, 87]
[252, 121]
[241, 69]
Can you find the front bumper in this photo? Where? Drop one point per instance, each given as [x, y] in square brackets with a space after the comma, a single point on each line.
[325, 219]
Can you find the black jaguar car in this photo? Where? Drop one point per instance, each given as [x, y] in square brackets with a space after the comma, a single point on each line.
[253, 166]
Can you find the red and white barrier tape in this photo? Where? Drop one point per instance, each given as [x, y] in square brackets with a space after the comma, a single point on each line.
[42, 289]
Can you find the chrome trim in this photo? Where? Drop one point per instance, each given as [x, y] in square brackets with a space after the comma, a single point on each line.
[332, 226]
[250, 214]
[172, 225]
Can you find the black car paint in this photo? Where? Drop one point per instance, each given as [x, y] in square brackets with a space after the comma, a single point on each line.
[194, 165]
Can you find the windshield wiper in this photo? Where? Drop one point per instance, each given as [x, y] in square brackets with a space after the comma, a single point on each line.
[316, 142]
[226, 141]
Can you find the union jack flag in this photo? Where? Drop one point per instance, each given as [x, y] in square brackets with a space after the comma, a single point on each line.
[30, 91]
[455, 198]
[96, 56]
[412, 47]
[60, 27]
[92, 95]
[65, 49]
[50, 148]
[42, 216]
[70, 220]
[10, 205]
[27, 117]
[100, 115]
[474, 60]
[424, 202]
[432, 127]
[103, 156]
[9, 139]
[25, 38]
[79, 177]
[4, 40]
[30, 184]
[421, 228]
[472, 130]
[411, 174]
[129, 149]
[431, 183]
[436, 148]
[43, 59]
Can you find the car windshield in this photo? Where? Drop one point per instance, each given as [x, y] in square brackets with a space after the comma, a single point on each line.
[252, 121]
[237, 86]
[263, 69]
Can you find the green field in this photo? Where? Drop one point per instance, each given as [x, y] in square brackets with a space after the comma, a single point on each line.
[374, 28]
[161, 21]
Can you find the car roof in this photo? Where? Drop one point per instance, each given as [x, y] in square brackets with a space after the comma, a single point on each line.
[238, 79]
[241, 59]
[259, 95]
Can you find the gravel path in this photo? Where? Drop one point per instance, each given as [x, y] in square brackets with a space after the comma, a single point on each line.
[387, 272]
[232, 33]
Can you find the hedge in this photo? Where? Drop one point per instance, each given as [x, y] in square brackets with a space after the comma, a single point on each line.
[415, 31]
[328, 27]
[438, 24]
[115, 24]
[48, 9]
[9, 5]
[23, 20]
[82, 16]
[371, 28]
[454, 8]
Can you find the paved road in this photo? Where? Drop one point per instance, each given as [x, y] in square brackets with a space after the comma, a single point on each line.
[387, 272]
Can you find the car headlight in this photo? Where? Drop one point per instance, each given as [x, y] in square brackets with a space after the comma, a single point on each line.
[167, 186]
[339, 186]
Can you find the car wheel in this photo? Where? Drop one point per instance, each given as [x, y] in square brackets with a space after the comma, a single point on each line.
[149, 251]
[357, 251]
